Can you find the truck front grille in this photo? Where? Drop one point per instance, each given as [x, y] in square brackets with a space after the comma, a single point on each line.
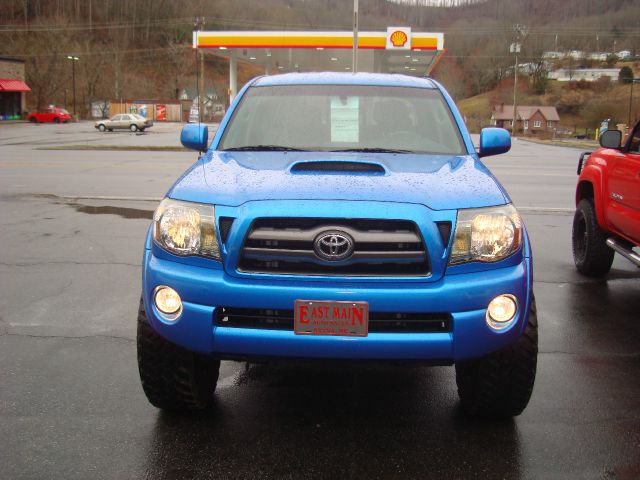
[379, 322]
[380, 248]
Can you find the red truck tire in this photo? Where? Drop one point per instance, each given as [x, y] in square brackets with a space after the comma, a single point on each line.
[591, 254]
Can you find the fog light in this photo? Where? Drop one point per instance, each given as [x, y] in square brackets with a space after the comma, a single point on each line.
[167, 301]
[501, 311]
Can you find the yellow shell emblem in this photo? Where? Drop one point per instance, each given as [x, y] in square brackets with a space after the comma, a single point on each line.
[398, 38]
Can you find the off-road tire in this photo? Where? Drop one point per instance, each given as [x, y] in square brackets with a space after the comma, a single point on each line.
[173, 378]
[102, 128]
[590, 252]
[500, 384]
[133, 127]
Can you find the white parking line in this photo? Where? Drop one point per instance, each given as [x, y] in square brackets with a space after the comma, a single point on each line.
[109, 197]
[558, 210]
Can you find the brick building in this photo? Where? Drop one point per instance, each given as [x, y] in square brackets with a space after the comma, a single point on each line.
[12, 89]
[530, 120]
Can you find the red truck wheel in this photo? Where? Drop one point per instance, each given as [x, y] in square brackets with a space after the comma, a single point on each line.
[590, 252]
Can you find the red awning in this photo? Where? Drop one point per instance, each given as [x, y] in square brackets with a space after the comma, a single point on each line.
[9, 85]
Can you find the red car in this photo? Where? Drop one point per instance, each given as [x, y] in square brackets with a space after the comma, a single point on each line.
[607, 218]
[55, 115]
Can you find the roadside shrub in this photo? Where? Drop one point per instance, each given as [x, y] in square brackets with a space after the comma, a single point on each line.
[572, 101]
[625, 75]
[601, 85]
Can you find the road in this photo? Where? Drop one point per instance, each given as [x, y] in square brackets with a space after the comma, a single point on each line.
[72, 224]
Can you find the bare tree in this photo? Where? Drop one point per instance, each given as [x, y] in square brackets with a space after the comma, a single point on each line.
[93, 68]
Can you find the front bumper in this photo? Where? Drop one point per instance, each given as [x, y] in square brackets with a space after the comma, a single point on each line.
[465, 296]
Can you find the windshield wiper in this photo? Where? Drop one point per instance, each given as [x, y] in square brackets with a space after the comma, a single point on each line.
[374, 150]
[264, 148]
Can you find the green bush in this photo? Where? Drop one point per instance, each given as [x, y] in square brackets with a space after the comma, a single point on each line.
[625, 75]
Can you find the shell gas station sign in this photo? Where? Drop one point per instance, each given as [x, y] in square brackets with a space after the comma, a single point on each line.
[398, 38]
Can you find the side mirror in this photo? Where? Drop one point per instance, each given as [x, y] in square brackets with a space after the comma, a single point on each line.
[610, 139]
[494, 141]
[195, 137]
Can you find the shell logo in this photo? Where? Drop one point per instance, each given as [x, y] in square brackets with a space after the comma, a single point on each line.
[398, 38]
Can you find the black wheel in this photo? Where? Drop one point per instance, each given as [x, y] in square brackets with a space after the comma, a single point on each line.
[590, 252]
[56, 120]
[33, 120]
[173, 378]
[500, 384]
[101, 127]
[133, 127]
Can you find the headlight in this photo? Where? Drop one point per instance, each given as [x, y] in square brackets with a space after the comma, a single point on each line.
[185, 228]
[486, 234]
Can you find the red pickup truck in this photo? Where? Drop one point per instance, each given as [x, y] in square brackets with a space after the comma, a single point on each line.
[607, 218]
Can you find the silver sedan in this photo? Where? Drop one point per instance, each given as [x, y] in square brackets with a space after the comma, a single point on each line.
[130, 121]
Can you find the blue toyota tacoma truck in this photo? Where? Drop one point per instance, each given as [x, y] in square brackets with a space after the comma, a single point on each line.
[339, 217]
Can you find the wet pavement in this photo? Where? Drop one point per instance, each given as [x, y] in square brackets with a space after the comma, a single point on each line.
[72, 226]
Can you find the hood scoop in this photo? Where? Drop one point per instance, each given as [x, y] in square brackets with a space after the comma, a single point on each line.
[338, 167]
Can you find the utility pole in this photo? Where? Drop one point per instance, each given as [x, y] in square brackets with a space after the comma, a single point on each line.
[203, 92]
[633, 80]
[515, 48]
[355, 36]
[73, 59]
[521, 32]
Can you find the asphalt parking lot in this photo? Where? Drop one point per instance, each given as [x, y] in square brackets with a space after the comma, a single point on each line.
[72, 226]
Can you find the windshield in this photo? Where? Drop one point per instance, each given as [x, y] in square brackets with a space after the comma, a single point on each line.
[343, 118]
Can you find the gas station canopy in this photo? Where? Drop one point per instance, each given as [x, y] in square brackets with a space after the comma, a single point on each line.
[398, 50]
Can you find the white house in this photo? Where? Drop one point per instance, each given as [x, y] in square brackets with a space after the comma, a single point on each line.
[587, 74]
[552, 54]
[600, 56]
[624, 54]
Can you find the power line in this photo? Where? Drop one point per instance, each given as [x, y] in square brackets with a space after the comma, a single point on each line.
[84, 27]
[101, 52]
[496, 30]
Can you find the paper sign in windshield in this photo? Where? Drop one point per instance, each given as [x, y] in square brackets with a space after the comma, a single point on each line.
[345, 126]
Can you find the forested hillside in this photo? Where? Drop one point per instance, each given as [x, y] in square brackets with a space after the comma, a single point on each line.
[140, 48]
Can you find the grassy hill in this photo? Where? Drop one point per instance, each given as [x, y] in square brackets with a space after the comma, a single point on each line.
[612, 103]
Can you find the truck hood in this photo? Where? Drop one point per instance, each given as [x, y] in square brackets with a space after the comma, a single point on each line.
[440, 182]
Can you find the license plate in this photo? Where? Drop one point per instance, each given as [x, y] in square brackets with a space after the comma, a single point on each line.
[314, 317]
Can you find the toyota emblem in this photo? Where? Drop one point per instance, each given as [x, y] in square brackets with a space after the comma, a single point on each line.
[333, 245]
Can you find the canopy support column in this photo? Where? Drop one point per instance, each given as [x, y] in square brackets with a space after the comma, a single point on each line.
[233, 75]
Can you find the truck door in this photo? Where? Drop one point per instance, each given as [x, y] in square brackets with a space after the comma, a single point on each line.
[624, 189]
